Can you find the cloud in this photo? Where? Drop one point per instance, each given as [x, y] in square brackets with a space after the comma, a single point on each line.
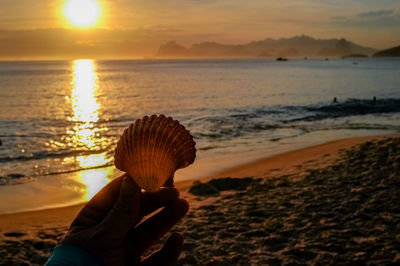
[385, 18]
[379, 13]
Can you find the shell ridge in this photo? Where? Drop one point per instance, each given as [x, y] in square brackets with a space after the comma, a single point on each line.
[128, 140]
[187, 145]
[159, 137]
[172, 134]
[155, 135]
[189, 153]
[173, 129]
[148, 144]
[123, 147]
[151, 169]
[138, 146]
[186, 153]
[143, 145]
[157, 143]
[144, 142]
[175, 142]
[135, 144]
[175, 138]
[167, 133]
[186, 138]
[153, 123]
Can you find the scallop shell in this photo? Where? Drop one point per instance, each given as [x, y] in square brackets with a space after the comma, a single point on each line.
[152, 149]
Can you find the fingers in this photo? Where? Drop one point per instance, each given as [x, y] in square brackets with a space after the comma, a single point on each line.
[151, 230]
[152, 201]
[168, 254]
[125, 212]
[97, 208]
[88, 217]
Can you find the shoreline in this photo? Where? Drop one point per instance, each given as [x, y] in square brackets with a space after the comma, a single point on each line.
[68, 189]
[276, 165]
[321, 154]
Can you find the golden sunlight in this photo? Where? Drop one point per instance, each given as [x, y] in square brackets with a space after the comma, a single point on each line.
[82, 13]
[86, 133]
[92, 160]
[84, 103]
[93, 180]
[85, 85]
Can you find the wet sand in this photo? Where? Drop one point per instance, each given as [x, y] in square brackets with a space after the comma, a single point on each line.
[333, 203]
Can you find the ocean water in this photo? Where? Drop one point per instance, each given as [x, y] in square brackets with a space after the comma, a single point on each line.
[60, 120]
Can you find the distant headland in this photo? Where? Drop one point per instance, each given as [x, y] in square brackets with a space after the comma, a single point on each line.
[299, 46]
[391, 52]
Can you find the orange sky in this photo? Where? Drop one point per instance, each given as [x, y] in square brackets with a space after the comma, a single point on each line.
[136, 28]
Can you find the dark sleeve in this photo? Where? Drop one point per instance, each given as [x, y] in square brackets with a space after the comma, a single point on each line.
[64, 255]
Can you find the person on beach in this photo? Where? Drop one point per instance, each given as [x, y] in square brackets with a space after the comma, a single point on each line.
[109, 229]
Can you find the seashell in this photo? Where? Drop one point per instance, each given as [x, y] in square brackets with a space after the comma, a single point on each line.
[152, 149]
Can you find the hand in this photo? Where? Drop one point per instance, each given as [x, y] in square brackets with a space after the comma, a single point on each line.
[108, 225]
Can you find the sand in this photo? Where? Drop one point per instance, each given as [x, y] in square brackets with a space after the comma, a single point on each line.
[326, 204]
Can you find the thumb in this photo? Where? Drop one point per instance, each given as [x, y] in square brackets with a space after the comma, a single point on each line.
[125, 212]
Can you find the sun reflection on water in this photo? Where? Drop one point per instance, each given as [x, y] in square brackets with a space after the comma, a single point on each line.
[85, 134]
[93, 181]
[84, 103]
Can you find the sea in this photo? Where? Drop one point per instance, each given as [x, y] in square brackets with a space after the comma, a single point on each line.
[60, 120]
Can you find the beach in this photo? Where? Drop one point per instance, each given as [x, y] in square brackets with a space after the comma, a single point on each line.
[332, 203]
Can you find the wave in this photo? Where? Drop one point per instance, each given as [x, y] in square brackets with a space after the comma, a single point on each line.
[350, 107]
[78, 169]
[239, 122]
[50, 155]
[271, 123]
[15, 179]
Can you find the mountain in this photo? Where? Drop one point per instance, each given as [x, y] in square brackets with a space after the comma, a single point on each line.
[299, 46]
[392, 52]
[173, 49]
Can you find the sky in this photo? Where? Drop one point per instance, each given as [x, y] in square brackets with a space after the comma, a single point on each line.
[38, 29]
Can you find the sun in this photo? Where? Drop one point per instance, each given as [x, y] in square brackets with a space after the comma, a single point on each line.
[82, 13]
